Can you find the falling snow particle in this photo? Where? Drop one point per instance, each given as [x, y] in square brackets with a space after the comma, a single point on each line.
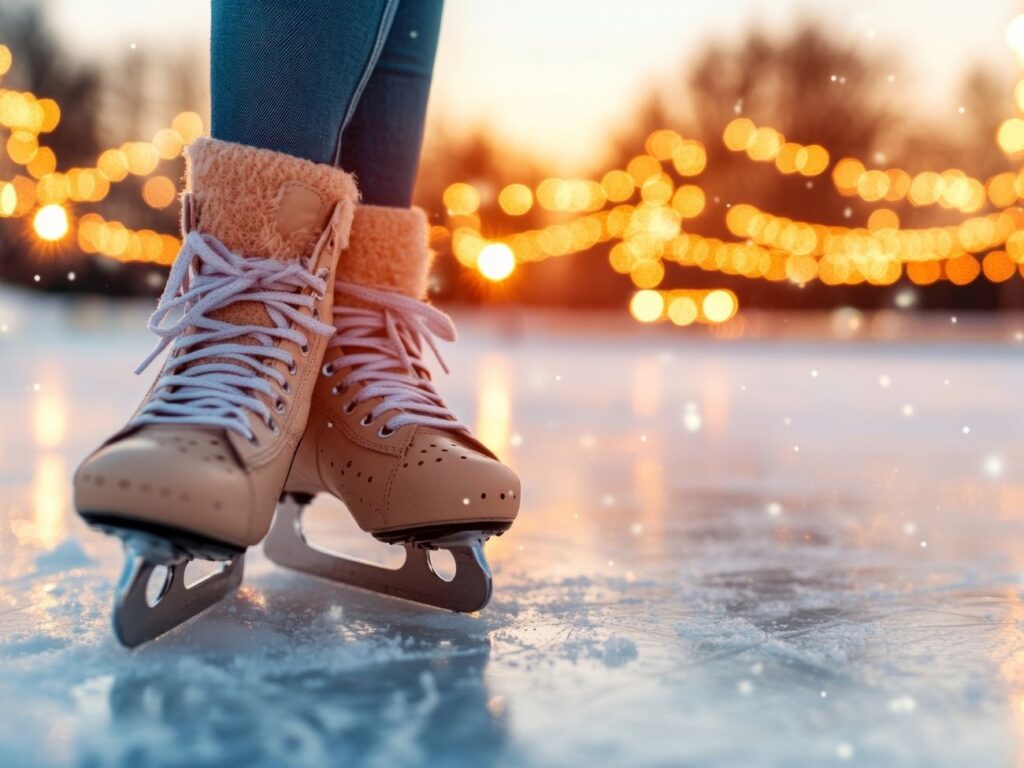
[587, 441]
[36, 387]
[133, 46]
[906, 298]
[414, 34]
[3, 328]
[37, 278]
[71, 276]
[967, 430]
[756, 668]
[796, 449]
[1018, 336]
[773, 508]
[737, 108]
[884, 381]
[953, 319]
[848, 212]
[516, 439]
[924, 545]
[891, 79]
[636, 529]
[824, 694]
[465, 501]
[962, 110]
[907, 410]
[608, 500]
[814, 373]
[643, 438]
[745, 687]
[844, 751]
[909, 528]
[787, 421]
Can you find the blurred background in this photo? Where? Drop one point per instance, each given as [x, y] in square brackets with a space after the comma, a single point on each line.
[683, 164]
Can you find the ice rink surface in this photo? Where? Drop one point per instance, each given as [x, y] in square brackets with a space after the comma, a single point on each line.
[731, 553]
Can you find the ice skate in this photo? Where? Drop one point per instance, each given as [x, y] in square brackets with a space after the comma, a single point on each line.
[198, 469]
[381, 439]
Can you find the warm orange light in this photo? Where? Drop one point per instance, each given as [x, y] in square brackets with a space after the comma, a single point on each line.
[515, 199]
[159, 192]
[461, 199]
[646, 306]
[496, 261]
[51, 222]
[719, 305]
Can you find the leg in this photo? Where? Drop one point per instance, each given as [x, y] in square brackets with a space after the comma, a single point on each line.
[381, 144]
[287, 76]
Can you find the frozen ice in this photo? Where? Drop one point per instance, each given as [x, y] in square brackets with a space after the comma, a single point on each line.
[704, 597]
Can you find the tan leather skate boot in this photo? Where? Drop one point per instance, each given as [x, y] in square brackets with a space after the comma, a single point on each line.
[380, 437]
[198, 469]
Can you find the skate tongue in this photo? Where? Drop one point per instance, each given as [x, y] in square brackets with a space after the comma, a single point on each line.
[262, 204]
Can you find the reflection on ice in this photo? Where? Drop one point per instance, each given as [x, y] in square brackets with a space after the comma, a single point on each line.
[679, 590]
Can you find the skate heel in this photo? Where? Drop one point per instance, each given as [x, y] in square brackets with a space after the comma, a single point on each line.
[416, 580]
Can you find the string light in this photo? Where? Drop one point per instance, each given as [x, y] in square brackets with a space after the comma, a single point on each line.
[641, 210]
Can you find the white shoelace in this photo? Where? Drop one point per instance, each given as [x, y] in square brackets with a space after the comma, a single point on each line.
[385, 337]
[215, 377]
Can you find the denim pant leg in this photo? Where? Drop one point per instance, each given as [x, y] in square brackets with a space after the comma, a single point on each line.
[382, 142]
[287, 75]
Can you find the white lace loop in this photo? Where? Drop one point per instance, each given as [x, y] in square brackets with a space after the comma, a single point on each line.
[382, 346]
[218, 367]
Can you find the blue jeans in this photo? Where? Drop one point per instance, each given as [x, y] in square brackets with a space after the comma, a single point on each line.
[342, 82]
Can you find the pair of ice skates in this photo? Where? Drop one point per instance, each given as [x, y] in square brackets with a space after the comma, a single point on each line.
[295, 368]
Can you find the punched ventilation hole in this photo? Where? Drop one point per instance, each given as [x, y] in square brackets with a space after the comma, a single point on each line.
[483, 495]
[348, 463]
[124, 485]
[419, 464]
[503, 497]
[438, 460]
[369, 479]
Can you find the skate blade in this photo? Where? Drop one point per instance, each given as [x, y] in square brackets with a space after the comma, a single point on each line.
[416, 579]
[138, 620]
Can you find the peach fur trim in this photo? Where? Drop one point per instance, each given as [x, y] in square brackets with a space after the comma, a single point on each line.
[238, 190]
[388, 249]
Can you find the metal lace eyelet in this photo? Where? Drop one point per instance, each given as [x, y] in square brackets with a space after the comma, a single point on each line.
[349, 406]
[316, 311]
[304, 349]
[274, 427]
[279, 405]
[385, 432]
[338, 389]
[286, 388]
[367, 420]
[253, 439]
[293, 368]
[327, 370]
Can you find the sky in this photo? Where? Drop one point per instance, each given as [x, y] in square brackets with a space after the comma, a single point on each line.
[558, 77]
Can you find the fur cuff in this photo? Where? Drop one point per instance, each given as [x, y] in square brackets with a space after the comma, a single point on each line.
[388, 249]
[262, 203]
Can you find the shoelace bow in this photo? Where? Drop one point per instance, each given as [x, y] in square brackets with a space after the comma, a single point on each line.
[385, 337]
[214, 377]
